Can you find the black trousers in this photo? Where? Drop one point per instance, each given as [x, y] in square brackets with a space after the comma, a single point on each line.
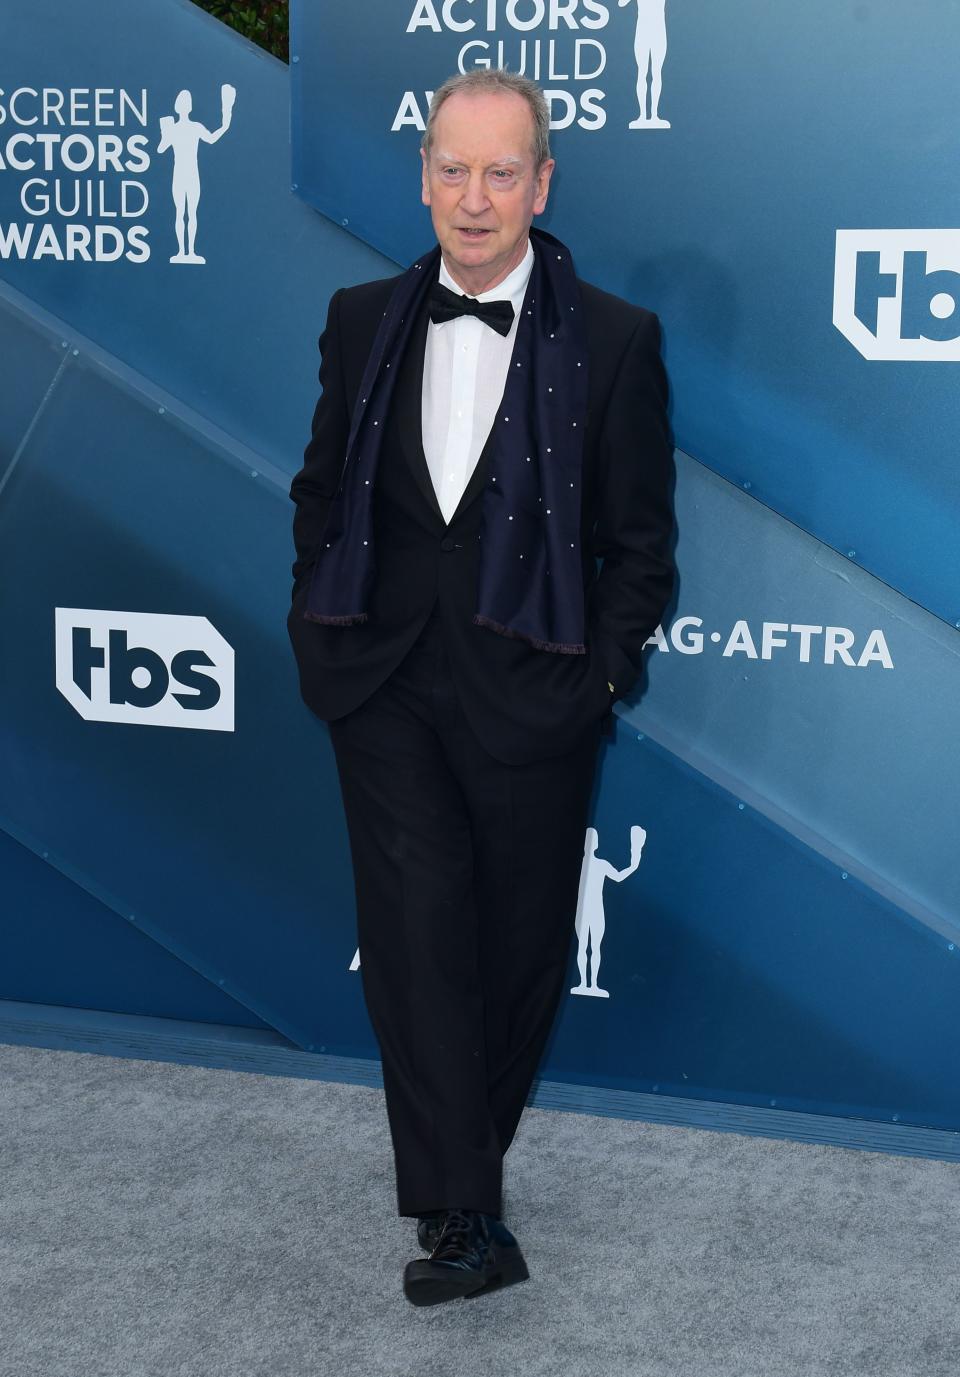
[466, 873]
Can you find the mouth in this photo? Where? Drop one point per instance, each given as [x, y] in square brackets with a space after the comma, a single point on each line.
[474, 235]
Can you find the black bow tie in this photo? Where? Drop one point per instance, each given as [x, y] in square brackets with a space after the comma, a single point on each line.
[445, 305]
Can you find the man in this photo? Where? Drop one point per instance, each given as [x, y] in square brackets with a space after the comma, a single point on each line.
[488, 426]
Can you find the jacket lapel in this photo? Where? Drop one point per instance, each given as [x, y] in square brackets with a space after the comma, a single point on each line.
[409, 412]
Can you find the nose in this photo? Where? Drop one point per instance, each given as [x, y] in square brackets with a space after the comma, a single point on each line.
[475, 199]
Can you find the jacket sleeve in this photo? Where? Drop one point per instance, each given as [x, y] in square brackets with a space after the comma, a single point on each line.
[634, 510]
[317, 481]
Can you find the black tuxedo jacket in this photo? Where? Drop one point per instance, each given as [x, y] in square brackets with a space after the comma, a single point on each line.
[524, 704]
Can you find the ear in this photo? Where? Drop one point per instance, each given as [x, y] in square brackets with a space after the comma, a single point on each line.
[424, 179]
[543, 186]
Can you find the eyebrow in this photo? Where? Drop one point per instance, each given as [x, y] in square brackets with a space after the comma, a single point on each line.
[499, 162]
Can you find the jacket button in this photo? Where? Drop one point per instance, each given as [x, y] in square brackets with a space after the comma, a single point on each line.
[448, 543]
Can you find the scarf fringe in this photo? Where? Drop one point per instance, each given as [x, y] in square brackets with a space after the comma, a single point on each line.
[335, 621]
[562, 647]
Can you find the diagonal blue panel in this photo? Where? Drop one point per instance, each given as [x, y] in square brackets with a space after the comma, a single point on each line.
[235, 337]
[742, 966]
[61, 945]
[788, 672]
[22, 387]
[204, 839]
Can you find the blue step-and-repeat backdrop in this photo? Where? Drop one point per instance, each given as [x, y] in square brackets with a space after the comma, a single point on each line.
[771, 904]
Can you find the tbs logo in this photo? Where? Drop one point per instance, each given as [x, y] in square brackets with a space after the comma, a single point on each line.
[896, 293]
[154, 669]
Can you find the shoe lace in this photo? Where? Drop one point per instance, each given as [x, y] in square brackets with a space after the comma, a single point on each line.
[456, 1232]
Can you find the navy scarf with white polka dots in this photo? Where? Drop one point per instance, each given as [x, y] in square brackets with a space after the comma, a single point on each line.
[530, 583]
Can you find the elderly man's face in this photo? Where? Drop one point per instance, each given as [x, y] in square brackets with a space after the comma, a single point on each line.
[481, 176]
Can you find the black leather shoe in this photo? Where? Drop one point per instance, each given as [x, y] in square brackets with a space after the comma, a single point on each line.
[475, 1253]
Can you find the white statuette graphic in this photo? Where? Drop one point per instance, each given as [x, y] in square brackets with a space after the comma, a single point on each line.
[590, 919]
[650, 49]
[184, 135]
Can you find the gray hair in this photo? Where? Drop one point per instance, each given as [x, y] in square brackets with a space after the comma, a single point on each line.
[482, 79]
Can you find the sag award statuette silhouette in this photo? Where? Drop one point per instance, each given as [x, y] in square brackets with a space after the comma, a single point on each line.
[590, 919]
[183, 135]
[649, 48]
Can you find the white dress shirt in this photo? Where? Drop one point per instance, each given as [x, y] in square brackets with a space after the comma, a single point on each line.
[465, 367]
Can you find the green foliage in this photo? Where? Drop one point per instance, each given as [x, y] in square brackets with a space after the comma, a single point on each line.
[266, 22]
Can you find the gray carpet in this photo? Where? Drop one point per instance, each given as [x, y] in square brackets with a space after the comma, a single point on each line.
[178, 1221]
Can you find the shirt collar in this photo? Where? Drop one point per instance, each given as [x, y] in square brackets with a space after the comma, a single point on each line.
[513, 286]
